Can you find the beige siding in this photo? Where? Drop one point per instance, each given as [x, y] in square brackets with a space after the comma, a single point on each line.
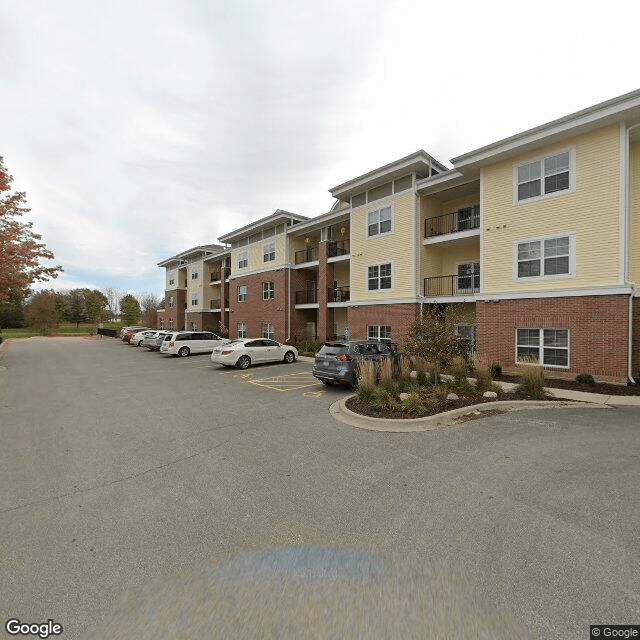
[592, 211]
[634, 213]
[341, 273]
[196, 286]
[255, 256]
[396, 248]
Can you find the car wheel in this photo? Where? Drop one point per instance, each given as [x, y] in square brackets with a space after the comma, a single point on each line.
[140, 343]
[289, 357]
[244, 362]
[183, 352]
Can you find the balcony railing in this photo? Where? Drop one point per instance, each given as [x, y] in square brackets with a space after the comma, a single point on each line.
[338, 248]
[307, 255]
[462, 220]
[338, 294]
[306, 297]
[215, 304]
[452, 285]
[217, 275]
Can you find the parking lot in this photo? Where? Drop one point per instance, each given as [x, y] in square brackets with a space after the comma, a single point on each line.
[146, 496]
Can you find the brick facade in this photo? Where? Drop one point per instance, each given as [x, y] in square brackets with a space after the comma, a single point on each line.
[175, 313]
[636, 339]
[399, 317]
[598, 330]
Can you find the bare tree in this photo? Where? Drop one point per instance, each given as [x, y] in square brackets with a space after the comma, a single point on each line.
[113, 296]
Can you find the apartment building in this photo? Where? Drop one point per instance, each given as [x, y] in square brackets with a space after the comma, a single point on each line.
[537, 237]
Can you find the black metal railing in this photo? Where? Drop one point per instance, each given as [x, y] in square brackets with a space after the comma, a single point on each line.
[452, 285]
[216, 276]
[338, 248]
[215, 304]
[464, 220]
[306, 297]
[306, 255]
[338, 294]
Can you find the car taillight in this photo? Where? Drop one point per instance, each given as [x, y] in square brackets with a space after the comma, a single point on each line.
[172, 344]
[226, 353]
[344, 357]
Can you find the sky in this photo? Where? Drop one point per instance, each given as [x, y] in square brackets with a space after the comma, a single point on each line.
[139, 129]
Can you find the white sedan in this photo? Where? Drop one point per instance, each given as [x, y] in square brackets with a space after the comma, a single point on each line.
[244, 352]
[138, 338]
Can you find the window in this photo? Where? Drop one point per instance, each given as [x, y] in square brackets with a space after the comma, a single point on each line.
[243, 260]
[194, 299]
[379, 276]
[543, 177]
[242, 329]
[468, 218]
[545, 257]
[162, 323]
[379, 222]
[194, 327]
[172, 281]
[269, 252]
[468, 279]
[268, 330]
[467, 334]
[194, 275]
[171, 302]
[549, 347]
[268, 290]
[170, 323]
[243, 293]
[379, 332]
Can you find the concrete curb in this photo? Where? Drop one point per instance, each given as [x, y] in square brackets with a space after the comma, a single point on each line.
[340, 412]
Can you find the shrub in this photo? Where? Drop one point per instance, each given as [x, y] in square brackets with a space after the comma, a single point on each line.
[483, 380]
[459, 368]
[585, 378]
[382, 399]
[367, 374]
[422, 378]
[386, 373]
[405, 368]
[308, 346]
[438, 396]
[365, 394]
[413, 404]
[495, 370]
[434, 374]
[532, 381]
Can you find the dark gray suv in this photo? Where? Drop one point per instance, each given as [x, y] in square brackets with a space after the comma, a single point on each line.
[337, 362]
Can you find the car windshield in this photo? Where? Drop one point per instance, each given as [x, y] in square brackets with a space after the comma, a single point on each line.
[333, 349]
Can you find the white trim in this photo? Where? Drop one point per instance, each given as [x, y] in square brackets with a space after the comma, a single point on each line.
[541, 331]
[623, 290]
[275, 251]
[541, 158]
[378, 264]
[306, 265]
[623, 217]
[556, 276]
[378, 209]
[451, 237]
[417, 228]
[481, 229]
[373, 303]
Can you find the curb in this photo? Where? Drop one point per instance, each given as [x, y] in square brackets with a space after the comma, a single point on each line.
[339, 412]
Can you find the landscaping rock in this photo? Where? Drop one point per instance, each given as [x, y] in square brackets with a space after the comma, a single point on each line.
[489, 394]
[452, 396]
[413, 375]
[404, 396]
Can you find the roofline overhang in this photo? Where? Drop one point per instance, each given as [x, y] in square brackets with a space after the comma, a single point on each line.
[617, 109]
[417, 161]
[213, 249]
[321, 220]
[279, 216]
[444, 181]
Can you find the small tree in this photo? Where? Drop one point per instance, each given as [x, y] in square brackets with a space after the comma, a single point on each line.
[42, 313]
[130, 310]
[149, 302]
[95, 303]
[433, 335]
[113, 297]
[75, 306]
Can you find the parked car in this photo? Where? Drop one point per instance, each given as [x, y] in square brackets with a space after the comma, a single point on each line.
[243, 352]
[338, 362]
[129, 333]
[134, 329]
[154, 340]
[137, 338]
[184, 343]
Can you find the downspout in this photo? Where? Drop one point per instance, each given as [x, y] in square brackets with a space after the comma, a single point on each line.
[631, 381]
[286, 261]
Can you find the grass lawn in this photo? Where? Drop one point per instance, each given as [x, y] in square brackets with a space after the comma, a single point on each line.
[64, 329]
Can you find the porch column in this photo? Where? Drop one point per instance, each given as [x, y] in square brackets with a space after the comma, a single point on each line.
[325, 280]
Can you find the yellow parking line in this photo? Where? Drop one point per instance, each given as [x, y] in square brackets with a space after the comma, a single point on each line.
[291, 382]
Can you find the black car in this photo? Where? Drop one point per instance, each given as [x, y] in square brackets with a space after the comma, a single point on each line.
[337, 362]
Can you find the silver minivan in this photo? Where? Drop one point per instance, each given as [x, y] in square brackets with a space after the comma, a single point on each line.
[184, 343]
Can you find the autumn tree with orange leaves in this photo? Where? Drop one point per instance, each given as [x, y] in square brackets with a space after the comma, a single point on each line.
[20, 248]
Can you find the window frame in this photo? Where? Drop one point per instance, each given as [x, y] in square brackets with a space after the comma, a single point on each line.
[378, 327]
[267, 255]
[242, 329]
[541, 346]
[368, 278]
[540, 160]
[268, 290]
[379, 234]
[194, 275]
[194, 299]
[571, 235]
[243, 296]
[268, 335]
[243, 260]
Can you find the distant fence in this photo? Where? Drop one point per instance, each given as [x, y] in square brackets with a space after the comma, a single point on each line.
[112, 333]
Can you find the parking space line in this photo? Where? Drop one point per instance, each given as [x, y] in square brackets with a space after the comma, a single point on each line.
[290, 382]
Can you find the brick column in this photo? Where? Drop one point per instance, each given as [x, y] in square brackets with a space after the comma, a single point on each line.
[325, 280]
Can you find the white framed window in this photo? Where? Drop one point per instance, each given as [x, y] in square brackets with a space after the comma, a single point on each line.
[243, 260]
[380, 222]
[467, 333]
[162, 323]
[468, 278]
[194, 275]
[269, 252]
[379, 332]
[379, 276]
[468, 218]
[268, 330]
[172, 281]
[194, 326]
[170, 323]
[268, 290]
[243, 293]
[242, 330]
[544, 176]
[194, 299]
[547, 257]
[548, 347]
[172, 302]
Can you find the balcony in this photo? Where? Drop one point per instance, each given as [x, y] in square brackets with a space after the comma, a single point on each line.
[458, 285]
[307, 297]
[216, 276]
[215, 304]
[467, 219]
[338, 248]
[310, 254]
[338, 294]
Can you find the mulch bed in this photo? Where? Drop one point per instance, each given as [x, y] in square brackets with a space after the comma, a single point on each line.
[605, 388]
[365, 410]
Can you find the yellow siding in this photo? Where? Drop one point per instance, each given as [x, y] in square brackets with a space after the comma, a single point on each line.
[396, 248]
[195, 286]
[341, 273]
[592, 211]
[634, 213]
[255, 257]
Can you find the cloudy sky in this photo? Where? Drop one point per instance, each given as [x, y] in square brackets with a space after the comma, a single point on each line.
[141, 128]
